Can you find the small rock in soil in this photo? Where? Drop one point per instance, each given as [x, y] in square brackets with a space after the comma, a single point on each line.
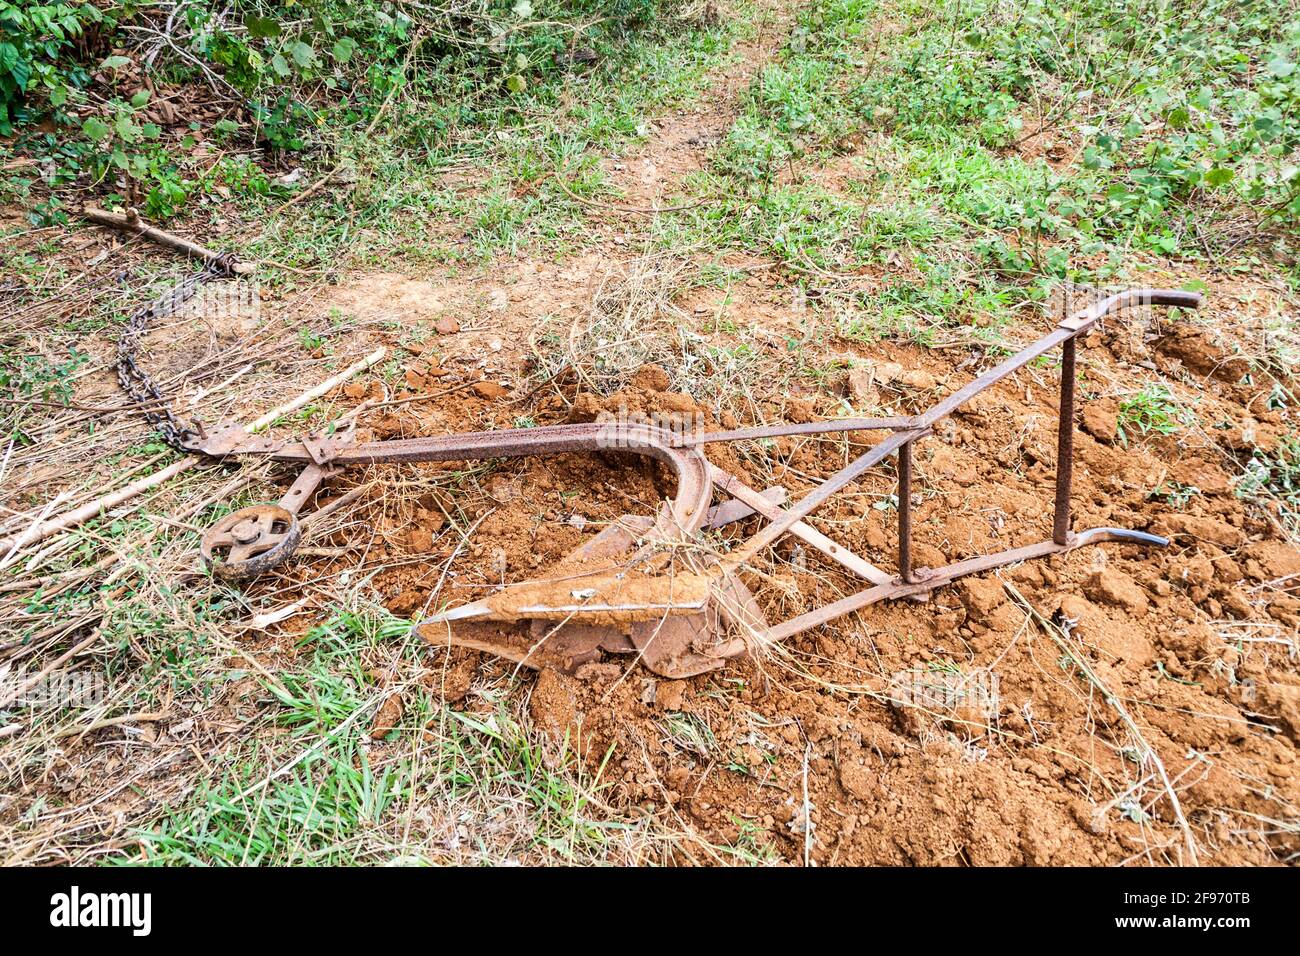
[856, 779]
[387, 717]
[911, 378]
[1277, 559]
[982, 596]
[1116, 589]
[1285, 610]
[652, 378]
[432, 521]
[1195, 570]
[677, 402]
[862, 388]
[1204, 529]
[490, 390]
[800, 410]
[1236, 604]
[419, 541]
[407, 602]
[670, 694]
[1075, 612]
[1282, 702]
[1101, 422]
[927, 556]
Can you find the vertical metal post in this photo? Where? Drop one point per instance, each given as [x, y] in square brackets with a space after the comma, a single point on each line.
[1064, 446]
[905, 512]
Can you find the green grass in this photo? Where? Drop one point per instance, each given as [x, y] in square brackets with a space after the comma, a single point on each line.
[321, 792]
[1170, 136]
[1153, 410]
[40, 378]
[1275, 477]
[1178, 112]
[537, 155]
[426, 110]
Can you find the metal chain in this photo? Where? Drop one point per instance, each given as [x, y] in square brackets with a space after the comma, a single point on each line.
[139, 384]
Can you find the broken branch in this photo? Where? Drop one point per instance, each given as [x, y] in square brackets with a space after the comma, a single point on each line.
[132, 223]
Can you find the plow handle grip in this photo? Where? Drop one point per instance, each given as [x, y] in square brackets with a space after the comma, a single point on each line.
[1176, 297]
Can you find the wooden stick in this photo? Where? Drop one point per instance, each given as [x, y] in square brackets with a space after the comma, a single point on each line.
[204, 393]
[140, 718]
[322, 513]
[132, 223]
[28, 536]
[323, 388]
[49, 668]
[78, 516]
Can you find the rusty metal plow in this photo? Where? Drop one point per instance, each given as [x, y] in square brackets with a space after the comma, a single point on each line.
[643, 585]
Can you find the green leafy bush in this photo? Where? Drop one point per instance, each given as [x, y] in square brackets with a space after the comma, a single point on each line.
[36, 56]
[1184, 110]
[292, 77]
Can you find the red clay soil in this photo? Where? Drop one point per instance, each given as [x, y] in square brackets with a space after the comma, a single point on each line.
[795, 755]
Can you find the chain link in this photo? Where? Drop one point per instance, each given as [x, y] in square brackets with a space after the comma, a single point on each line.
[139, 384]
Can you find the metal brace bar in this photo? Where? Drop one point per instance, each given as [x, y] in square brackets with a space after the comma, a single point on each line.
[800, 529]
